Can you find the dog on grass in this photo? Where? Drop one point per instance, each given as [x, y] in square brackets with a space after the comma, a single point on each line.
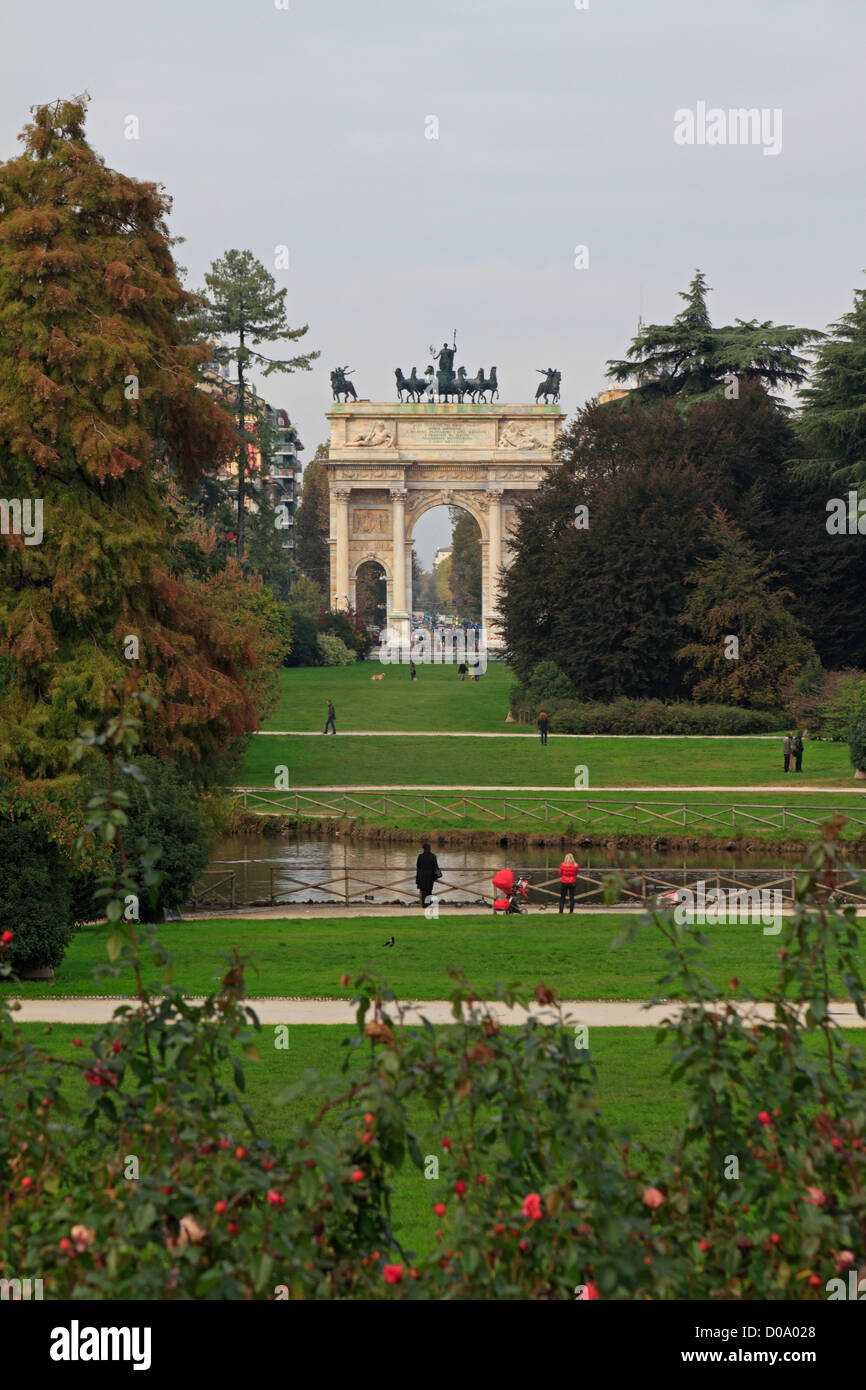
[379, 677]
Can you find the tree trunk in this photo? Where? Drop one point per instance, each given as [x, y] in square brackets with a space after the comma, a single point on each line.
[242, 455]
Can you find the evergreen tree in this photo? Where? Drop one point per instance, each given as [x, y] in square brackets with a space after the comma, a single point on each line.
[690, 359]
[599, 591]
[313, 522]
[98, 397]
[242, 304]
[833, 419]
[733, 598]
[266, 552]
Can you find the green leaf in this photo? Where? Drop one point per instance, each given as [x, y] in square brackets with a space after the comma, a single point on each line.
[114, 945]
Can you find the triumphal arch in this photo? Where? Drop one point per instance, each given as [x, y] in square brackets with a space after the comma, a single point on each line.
[388, 464]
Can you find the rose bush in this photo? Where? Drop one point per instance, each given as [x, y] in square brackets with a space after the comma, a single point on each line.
[758, 1196]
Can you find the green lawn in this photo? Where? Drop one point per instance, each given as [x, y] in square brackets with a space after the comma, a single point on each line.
[631, 1086]
[306, 958]
[511, 762]
[436, 700]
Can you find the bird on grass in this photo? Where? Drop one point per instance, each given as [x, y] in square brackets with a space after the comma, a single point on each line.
[390, 941]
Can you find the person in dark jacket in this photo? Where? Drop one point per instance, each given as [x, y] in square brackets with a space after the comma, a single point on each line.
[797, 750]
[426, 873]
[543, 725]
[330, 719]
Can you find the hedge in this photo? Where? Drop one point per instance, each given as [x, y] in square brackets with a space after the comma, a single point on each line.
[650, 717]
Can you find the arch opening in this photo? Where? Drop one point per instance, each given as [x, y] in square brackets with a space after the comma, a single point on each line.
[447, 566]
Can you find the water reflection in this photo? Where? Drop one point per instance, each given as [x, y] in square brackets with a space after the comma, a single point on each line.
[310, 870]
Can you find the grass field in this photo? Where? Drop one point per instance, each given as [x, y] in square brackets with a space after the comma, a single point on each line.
[436, 700]
[617, 762]
[305, 958]
[631, 1086]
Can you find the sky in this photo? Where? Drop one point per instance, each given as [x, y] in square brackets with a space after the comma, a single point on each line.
[306, 127]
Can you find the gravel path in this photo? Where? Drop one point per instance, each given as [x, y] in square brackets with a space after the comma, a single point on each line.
[595, 1013]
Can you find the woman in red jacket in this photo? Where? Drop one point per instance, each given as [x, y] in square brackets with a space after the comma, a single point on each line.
[568, 871]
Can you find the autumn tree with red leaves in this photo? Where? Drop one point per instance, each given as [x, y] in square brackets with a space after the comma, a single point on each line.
[98, 400]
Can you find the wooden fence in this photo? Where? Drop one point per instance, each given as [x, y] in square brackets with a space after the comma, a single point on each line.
[546, 810]
[379, 885]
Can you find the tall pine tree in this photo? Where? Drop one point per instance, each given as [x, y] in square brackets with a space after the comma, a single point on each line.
[242, 309]
[690, 359]
[98, 396]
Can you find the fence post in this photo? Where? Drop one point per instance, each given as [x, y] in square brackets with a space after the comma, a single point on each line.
[271, 876]
[346, 884]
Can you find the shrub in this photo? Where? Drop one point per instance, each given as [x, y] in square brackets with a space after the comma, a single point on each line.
[333, 650]
[652, 717]
[351, 629]
[545, 684]
[169, 816]
[843, 694]
[305, 642]
[35, 896]
[857, 730]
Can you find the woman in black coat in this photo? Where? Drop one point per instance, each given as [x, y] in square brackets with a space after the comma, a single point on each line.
[426, 873]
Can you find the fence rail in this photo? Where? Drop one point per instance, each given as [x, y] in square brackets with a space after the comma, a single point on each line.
[209, 891]
[547, 810]
[379, 884]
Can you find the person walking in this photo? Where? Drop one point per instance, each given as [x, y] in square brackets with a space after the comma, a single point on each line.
[413, 674]
[787, 745]
[330, 719]
[797, 750]
[543, 725]
[426, 873]
[568, 871]
[461, 670]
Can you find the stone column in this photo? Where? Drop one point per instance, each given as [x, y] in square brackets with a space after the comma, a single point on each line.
[493, 498]
[341, 535]
[398, 618]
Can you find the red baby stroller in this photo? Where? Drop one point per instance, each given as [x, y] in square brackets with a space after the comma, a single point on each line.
[509, 890]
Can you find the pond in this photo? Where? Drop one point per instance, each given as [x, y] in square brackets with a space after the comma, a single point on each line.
[299, 870]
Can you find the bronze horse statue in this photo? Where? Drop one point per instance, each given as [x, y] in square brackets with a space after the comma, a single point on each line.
[550, 385]
[341, 385]
[468, 386]
[488, 383]
[415, 386]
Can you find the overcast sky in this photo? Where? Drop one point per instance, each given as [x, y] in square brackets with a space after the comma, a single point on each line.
[305, 127]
